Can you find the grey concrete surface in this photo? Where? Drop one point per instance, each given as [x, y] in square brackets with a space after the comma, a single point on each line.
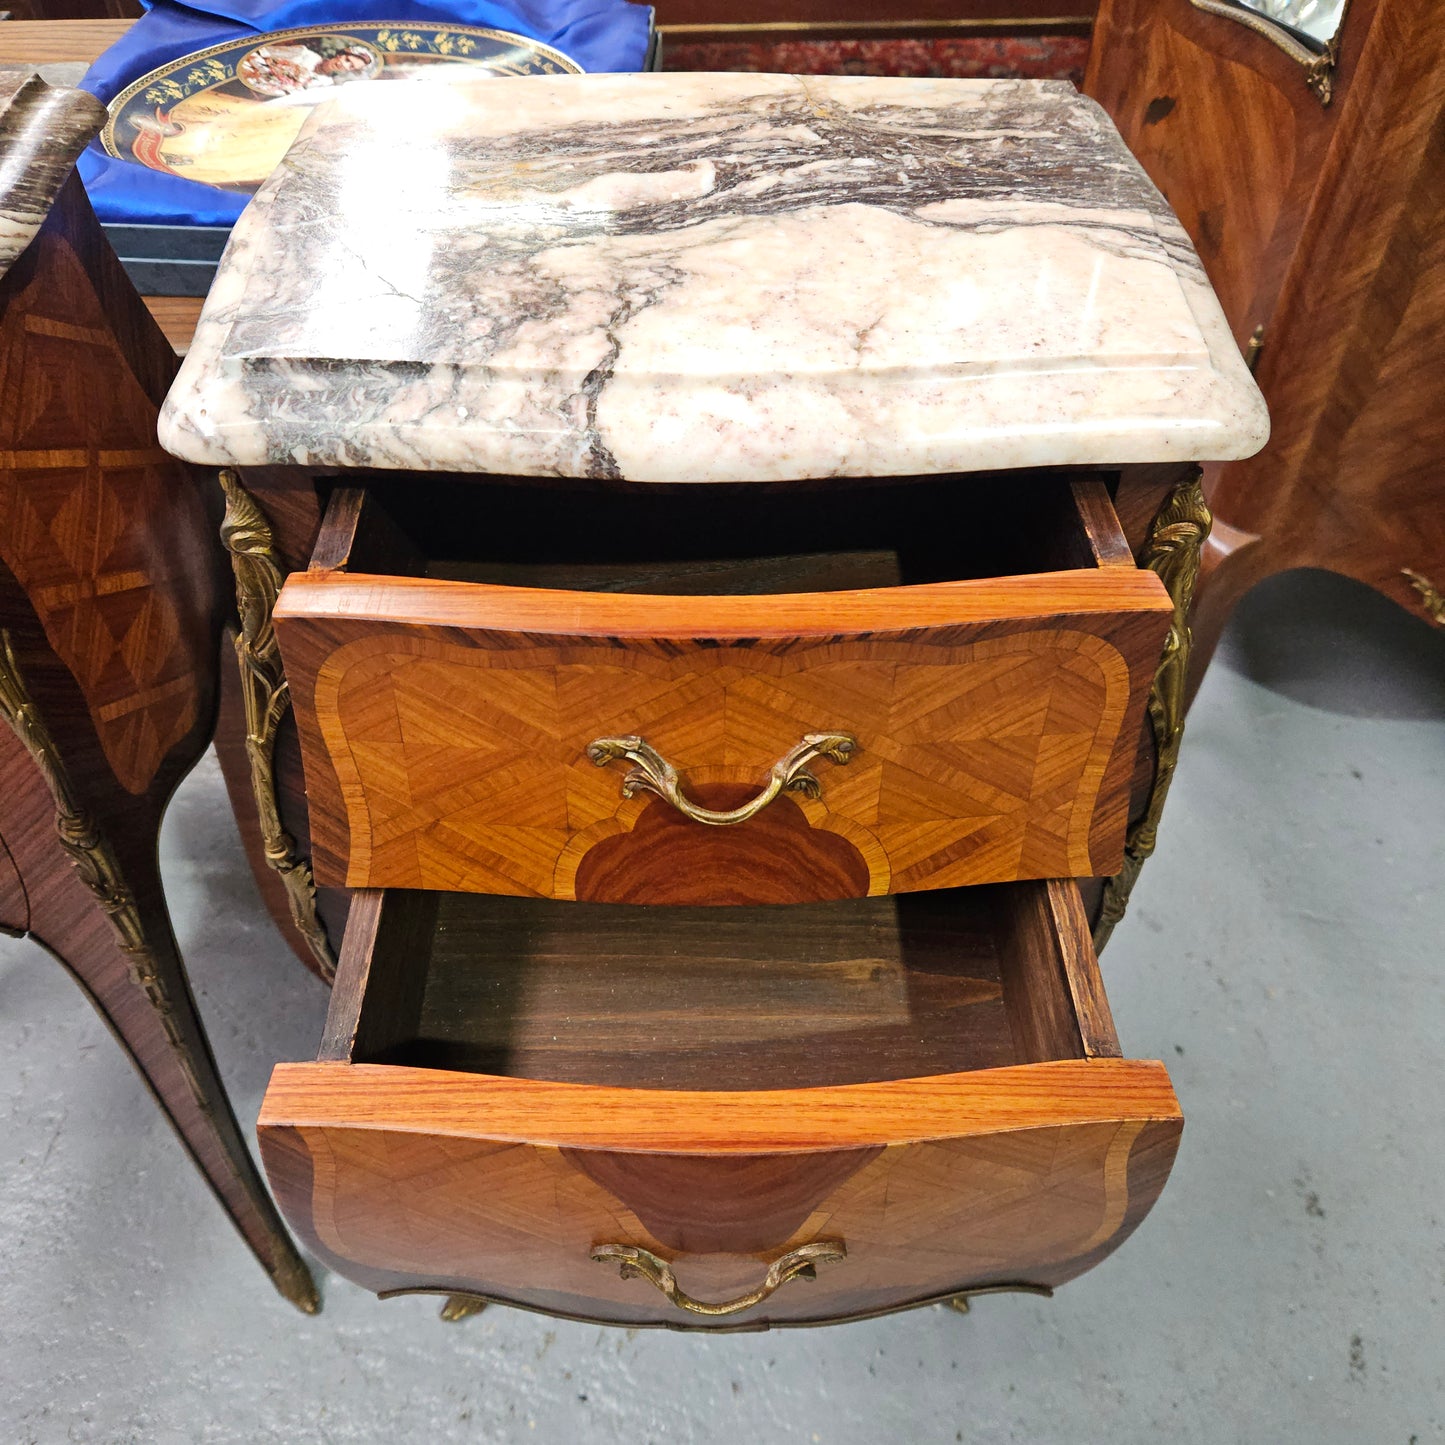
[1283, 955]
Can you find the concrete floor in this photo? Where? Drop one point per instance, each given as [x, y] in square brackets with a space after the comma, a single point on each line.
[1283, 955]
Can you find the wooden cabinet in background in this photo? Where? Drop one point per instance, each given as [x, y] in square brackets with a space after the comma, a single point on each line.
[112, 601]
[1325, 227]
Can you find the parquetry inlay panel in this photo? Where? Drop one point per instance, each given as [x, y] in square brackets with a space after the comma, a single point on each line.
[916, 1218]
[464, 767]
[96, 518]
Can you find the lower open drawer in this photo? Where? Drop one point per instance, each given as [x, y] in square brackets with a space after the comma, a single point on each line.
[718, 1118]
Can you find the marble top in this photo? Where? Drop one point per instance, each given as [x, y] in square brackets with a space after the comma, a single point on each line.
[711, 278]
[42, 130]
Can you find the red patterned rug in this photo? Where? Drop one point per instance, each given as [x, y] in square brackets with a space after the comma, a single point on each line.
[1036, 57]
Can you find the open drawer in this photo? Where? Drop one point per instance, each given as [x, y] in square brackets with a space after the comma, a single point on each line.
[703, 1118]
[720, 695]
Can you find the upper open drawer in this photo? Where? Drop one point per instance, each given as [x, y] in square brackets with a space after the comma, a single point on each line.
[632, 697]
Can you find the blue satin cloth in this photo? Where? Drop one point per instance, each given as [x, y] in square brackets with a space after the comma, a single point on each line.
[597, 35]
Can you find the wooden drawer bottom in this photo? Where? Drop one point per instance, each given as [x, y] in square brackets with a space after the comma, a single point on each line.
[702, 1120]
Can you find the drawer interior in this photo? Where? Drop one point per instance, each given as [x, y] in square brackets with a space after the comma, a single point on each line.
[460, 735]
[784, 997]
[723, 540]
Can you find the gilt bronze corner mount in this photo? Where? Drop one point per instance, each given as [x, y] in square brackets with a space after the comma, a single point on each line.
[1319, 58]
[1172, 551]
[1432, 599]
[246, 533]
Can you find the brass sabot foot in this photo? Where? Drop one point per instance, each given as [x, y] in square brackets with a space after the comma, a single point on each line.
[963, 1302]
[292, 1279]
[461, 1307]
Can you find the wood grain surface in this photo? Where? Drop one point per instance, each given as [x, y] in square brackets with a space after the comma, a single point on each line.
[1324, 227]
[585, 1116]
[445, 725]
[26, 41]
[694, 998]
[14, 906]
[405, 1178]
[1052, 989]
[107, 535]
[176, 316]
[777, 857]
[1224, 124]
[719, 1088]
[35, 42]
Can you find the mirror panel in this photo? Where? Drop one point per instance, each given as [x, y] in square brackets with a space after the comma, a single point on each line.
[1317, 20]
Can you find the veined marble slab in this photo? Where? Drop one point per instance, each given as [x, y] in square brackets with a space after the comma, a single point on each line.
[711, 278]
[42, 130]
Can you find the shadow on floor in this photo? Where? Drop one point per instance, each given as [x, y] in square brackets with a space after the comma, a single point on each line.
[1336, 645]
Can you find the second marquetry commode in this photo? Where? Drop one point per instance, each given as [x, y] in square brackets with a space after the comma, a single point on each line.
[728, 539]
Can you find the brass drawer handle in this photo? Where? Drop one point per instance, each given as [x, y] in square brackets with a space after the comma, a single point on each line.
[654, 774]
[634, 1262]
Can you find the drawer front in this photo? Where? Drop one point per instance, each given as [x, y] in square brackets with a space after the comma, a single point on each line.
[888, 1194]
[446, 729]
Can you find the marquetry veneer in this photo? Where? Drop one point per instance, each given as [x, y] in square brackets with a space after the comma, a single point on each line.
[864, 1105]
[894, 1098]
[446, 723]
[719, 811]
[1323, 232]
[112, 599]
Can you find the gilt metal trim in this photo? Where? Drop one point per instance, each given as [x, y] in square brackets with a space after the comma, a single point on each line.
[735, 1327]
[94, 860]
[459, 1307]
[246, 533]
[1432, 599]
[1013, 25]
[654, 774]
[1172, 551]
[91, 854]
[1253, 348]
[634, 1262]
[1319, 65]
[963, 1302]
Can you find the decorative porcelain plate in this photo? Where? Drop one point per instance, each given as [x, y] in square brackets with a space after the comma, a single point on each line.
[226, 115]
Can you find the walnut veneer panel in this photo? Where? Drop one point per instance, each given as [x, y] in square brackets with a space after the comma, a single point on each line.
[445, 727]
[408, 1178]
